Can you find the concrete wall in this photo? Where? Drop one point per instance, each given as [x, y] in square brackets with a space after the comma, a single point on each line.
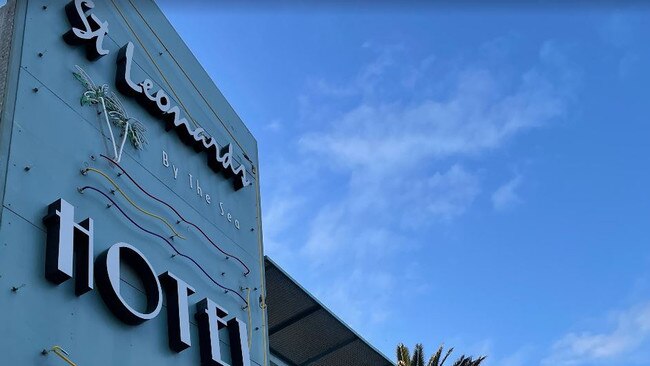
[49, 137]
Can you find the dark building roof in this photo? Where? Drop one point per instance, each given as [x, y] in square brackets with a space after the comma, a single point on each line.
[303, 332]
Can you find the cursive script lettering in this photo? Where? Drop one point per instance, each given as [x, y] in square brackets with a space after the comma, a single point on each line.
[220, 158]
[89, 31]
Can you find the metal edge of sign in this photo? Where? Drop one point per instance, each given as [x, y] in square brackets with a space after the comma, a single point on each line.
[161, 17]
[7, 113]
[260, 243]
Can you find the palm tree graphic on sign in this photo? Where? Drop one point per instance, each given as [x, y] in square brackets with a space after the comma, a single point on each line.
[114, 114]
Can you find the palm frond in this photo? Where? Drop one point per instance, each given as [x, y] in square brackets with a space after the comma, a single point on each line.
[403, 357]
[94, 95]
[468, 361]
[418, 355]
[437, 359]
[447, 355]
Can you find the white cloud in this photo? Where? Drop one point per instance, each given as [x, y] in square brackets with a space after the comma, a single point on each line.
[275, 125]
[447, 195]
[629, 333]
[620, 31]
[361, 310]
[506, 197]
[277, 219]
[477, 116]
[367, 80]
[621, 28]
[416, 74]
[356, 255]
[385, 163]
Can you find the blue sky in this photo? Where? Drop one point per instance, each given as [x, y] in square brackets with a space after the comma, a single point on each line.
[470, 176]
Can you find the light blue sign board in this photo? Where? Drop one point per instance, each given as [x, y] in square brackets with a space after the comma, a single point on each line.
[49, 137]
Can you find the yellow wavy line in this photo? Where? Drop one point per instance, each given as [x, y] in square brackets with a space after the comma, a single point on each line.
[61, 353]
[135, 204]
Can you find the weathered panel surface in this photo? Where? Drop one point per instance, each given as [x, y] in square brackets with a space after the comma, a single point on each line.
[53, 138]
[6, 33]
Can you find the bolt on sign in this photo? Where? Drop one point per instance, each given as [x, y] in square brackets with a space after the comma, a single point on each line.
[107, 115]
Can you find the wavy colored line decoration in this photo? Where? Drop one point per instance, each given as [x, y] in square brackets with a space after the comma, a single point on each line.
[179, 253]
[117, 187]
[228, 255]
[63, 355]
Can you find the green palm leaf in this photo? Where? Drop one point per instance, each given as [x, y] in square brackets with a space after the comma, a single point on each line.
[404, 359]
[418, 355]
[94, 94]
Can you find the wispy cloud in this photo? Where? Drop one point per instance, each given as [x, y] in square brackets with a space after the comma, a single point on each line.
[275, 125]
[447, 194]
[476, 117]
[506, 197]
[388, 153]
[628, 334]
[621, 32]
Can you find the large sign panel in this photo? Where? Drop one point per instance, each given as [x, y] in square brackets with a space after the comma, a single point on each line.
[130, 225]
